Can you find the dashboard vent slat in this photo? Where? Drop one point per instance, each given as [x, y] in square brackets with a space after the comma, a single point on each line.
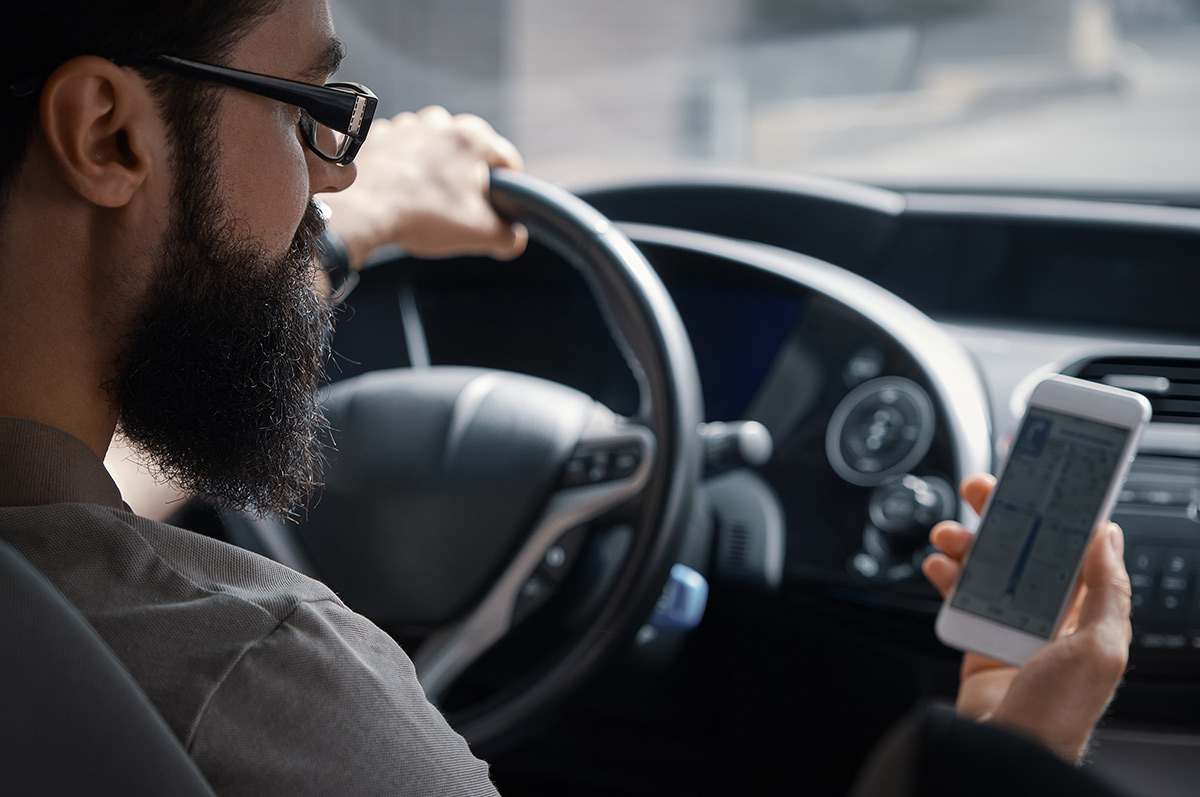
[1171, 383]
[1142, 384]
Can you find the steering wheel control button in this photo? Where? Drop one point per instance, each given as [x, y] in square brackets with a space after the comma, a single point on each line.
[596, 465]
[535, 588]
[533, 594]
[550, 573]
[559, 557]
[556, 557]
[683, 600]
[576, 471]
[625, 462]
[879, 430]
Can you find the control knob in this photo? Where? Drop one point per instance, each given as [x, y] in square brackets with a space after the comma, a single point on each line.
[905, 508]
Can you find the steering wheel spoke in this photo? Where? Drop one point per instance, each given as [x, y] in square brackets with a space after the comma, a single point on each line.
[610, 466]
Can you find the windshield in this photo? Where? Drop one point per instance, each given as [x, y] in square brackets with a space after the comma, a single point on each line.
[1068, 96]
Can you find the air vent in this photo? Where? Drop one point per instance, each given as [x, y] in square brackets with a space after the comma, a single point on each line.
[1172, 384]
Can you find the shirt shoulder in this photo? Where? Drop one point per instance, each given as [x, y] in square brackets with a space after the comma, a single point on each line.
[269, 680]
[178, 609]
[218, 567]
[328, 703]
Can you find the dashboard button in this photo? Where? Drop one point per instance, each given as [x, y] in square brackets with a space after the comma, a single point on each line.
[1163, 641]
[1142, 562]
[1174, 587]
[865, 565]
[1179, 562]
[1171, 609]
[880, 429]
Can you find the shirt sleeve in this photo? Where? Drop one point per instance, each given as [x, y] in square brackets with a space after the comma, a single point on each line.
[327, 703]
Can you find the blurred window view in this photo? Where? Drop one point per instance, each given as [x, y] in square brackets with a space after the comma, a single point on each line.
[1053, 95]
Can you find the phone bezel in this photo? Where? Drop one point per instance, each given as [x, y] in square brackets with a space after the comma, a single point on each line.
[1067, 396]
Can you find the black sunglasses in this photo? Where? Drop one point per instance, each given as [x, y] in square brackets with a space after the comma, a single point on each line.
[334, 118]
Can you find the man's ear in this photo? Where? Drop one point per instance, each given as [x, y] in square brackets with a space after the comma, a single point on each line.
[101, 124]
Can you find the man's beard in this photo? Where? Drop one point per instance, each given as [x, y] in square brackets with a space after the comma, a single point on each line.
[218, 381]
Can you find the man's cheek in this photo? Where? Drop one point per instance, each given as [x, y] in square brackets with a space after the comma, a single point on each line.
[268, 191]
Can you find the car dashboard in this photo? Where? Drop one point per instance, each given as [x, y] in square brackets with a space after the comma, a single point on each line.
[888, 341]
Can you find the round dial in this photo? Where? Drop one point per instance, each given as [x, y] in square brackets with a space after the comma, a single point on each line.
[880, 429]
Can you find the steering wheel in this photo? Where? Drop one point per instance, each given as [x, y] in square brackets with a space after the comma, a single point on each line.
[456, 498]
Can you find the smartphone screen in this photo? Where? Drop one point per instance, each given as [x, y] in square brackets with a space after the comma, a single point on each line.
[1024, 558]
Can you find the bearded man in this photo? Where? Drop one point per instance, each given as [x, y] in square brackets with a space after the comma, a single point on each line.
[157, 246]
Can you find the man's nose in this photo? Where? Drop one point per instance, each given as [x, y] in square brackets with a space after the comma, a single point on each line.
[325, 177]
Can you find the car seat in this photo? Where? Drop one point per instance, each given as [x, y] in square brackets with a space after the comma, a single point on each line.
[72, 720]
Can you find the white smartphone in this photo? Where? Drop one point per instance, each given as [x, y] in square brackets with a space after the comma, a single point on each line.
[1065, 468]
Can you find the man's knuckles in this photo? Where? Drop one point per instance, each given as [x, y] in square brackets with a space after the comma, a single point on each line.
[1101, 653]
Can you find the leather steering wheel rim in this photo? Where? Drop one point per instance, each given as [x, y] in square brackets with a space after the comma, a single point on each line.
[651, 336]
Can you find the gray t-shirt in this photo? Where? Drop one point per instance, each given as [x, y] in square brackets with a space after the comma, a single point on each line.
[270, 682]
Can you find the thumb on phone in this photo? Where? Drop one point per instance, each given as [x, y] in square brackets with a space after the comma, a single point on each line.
[1060, 693]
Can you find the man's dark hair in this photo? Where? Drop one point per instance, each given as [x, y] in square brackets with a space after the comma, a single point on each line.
[40, 35]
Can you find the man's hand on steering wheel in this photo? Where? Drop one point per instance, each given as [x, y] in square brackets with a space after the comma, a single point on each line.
[422, 186]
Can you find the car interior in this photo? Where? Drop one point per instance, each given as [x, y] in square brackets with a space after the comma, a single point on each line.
[818, 631]
[647, 505]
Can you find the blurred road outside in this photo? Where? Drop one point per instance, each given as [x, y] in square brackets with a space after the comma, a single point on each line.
[1060, 94]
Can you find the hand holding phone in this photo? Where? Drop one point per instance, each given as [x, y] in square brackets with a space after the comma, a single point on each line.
[1058, 695]
[1065, 681]
[1065, 468]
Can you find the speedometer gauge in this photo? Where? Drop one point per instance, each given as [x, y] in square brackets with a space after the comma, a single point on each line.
[881, 429]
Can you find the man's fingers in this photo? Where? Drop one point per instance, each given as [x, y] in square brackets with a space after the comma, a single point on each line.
[951, 539]
[479, 137]
[520, 240]
[941, 571]
[1106, 605]
[513, 244]
[430, 113]
[976, 489]
[503, 153]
